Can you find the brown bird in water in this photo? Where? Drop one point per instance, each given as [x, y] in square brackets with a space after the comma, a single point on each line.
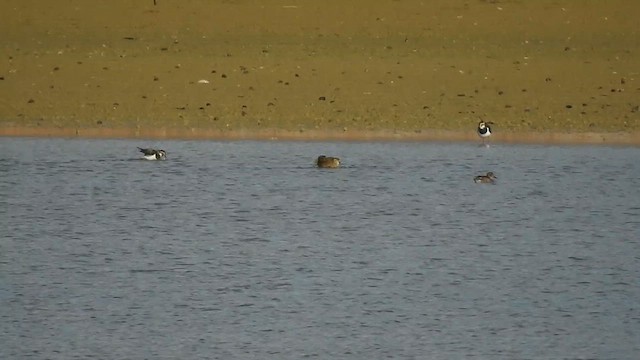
[328, 162]
[485, 179]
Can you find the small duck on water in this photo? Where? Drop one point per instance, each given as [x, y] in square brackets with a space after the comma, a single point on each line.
[484, 130]
[328, 162]
[153, 154]
[490, 178]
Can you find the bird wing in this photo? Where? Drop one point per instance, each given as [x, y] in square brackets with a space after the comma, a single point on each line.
[147, 151]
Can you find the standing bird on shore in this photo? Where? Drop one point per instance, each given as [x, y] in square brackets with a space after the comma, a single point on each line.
[484, 130]
[153, 154]
[328, 162]
[490, 178]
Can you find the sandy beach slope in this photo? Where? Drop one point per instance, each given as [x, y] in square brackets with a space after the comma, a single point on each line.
[543, 71]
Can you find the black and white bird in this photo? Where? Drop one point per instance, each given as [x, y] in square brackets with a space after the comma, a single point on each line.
[153, 154]
[484, 130]
[490, 178]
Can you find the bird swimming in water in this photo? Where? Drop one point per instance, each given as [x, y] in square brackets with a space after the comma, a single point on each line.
[484, 130]
[328, 162]
[490, 178]
[153, 154]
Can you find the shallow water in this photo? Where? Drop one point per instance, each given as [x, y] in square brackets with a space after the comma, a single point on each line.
[245, 250]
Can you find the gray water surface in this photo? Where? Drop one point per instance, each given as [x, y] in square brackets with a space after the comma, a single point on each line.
[245, 250]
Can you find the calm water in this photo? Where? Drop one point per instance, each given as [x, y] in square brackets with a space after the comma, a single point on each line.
[244, 250]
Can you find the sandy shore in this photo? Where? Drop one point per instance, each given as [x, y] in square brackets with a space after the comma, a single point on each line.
[576, 138]
[543, 71]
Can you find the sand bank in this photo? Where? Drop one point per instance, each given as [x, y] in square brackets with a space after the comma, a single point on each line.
[542, 70]
[590, 138]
